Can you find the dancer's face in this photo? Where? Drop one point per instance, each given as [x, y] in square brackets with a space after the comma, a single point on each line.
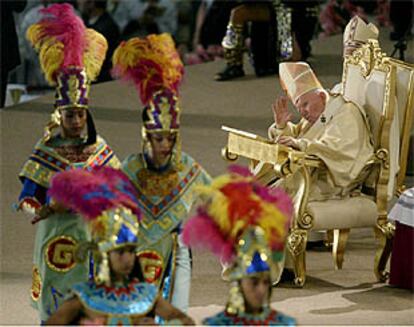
[122, 261]
[73, 122]
[162, 145]
[256, 291]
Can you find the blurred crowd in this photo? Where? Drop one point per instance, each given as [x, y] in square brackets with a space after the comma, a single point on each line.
[198, 27]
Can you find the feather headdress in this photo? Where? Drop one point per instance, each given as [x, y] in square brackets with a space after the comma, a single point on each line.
[153, 65]
[105, 198]
[71, 55]
[236, 205]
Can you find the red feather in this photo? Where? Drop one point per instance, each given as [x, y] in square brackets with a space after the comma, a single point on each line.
[61, 22]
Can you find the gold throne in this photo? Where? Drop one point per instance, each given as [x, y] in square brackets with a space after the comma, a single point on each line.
[384, 87]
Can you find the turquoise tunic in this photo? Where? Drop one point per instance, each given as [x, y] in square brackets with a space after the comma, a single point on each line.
[165, 199]
[268, 317]
[55, 269]
[120, 305]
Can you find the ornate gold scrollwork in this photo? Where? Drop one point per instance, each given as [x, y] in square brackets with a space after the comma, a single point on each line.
[282, 169]
[383, 155]
[286, 169]
[296, 244]
[388, 229]
[297, 241]
[306, 221]
[368, 57]
[226, 155]
[384, 233]
[400, 189]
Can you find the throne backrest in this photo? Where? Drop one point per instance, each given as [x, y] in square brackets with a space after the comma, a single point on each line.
[366, 80]
[383, 87]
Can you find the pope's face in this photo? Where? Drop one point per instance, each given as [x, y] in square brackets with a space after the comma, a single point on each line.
[311, 105]
[256, 291]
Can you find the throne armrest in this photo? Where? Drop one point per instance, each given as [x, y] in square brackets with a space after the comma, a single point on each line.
[302, 164]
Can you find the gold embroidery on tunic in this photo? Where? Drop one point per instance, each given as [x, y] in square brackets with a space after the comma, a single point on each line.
[152, 265]
[157, 184]
[60, 253]
[75, 153]
[36, 284]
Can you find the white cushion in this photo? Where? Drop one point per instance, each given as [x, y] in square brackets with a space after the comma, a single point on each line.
[358, 211]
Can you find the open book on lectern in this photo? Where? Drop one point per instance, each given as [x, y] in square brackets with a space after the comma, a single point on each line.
[254, 147]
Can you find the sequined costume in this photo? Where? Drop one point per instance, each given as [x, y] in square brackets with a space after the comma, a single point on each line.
[268, 317]
[245, 225]
[165, 193]
[118, 295]
[165, 199]
[121, 305]
[67, 65]
[107, 201]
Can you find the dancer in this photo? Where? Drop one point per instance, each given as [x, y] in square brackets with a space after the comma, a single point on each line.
[245, 224]
[106, 199]
[71, 57]
[164, 176]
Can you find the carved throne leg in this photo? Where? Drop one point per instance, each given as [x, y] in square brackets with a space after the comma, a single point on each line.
[297, 247]
[384, 234]
[340, 236]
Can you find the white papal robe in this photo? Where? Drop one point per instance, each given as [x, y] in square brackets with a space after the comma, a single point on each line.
[341, 139]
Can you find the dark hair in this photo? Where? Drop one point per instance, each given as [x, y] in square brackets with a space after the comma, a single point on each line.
[91, 128]
[100, 4]
[137, 270]
[145, 116]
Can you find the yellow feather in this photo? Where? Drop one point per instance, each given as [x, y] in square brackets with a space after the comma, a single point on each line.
[221, 181]
[51, 57]
[94, 54]
[50, 51]
[272, 219]
[238, 228]
[158, 49]
[218, 210]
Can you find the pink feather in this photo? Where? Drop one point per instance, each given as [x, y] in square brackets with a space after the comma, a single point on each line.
[200, 231]
[118, 181]
[276, 196]
[239, 170]
[147, 77]
[61, 22]
[91, 193]
[70, 187]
